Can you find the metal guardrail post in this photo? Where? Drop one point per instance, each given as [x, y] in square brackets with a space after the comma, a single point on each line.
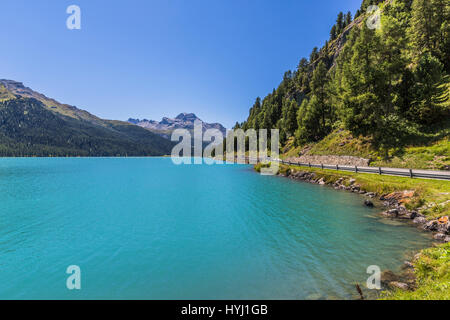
[411, 173]
[379, 170]
[356, 169]
[337, 167]
[321, 165]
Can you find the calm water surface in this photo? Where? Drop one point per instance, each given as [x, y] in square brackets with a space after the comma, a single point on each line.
[147, 229]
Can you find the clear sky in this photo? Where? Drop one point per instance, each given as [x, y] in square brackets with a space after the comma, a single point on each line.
[156, 58]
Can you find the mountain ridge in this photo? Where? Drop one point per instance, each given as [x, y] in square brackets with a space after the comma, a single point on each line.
[182, 121]
[32, 124]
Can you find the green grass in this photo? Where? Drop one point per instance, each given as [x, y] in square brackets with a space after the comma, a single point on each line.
[290, 150]
[430, 151]
[435, 156]
[342, 143]
[432, 271]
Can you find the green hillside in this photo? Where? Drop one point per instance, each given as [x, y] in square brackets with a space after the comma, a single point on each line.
[30, 128]
[377, 93]
[433, 154]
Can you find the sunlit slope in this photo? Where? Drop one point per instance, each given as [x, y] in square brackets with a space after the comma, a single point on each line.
[34, 125]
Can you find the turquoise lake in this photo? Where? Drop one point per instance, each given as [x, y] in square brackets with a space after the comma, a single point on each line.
[144, 228]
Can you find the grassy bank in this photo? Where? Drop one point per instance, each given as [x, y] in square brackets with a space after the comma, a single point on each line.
[432, 270]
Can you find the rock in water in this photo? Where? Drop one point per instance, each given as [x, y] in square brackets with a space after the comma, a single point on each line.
[368, 203]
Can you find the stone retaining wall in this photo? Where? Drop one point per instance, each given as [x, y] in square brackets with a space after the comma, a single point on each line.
[332, 160]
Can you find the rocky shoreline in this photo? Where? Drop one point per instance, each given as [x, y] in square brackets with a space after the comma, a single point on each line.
[395, 208]
[394, 203]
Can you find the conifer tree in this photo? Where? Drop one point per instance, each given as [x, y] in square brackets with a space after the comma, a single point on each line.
[333, 33]
[314, 55]
[340, 22]
[430, 91]
[314, 117]
[291, 118]
[348, 18]
[430, 29]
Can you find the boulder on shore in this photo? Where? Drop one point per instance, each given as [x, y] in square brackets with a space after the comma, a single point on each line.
[398, 197]
[413, 214]
[398, 285]
[443, 227]
[432, 225]
[440, 236]
[420, 220]
[408, 265]
[392, 213]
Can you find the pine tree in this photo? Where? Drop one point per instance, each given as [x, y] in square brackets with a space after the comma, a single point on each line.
[333, 33]
[318, 89]
[302, 70]
[441, 8]
[430, 29]
[290, 124]
[367, 103]
[253, 117]
[423, 26]
[348, 18]
[303, 65]
[315, 117]
[314, 55]
[308, 122]
[430, 91]
[340, 22]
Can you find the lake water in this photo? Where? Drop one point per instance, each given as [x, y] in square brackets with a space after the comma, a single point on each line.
[148, 229]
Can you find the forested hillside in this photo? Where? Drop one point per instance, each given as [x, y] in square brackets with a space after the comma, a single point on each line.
[388, 86]
[29, 128]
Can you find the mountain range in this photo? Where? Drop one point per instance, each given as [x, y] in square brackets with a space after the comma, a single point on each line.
[32, 124]
[182, 121]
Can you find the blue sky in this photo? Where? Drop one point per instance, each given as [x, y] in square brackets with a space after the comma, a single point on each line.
[155, 58]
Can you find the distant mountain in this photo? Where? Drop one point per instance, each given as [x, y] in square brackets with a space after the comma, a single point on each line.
[17, 89]
[182, 121]
[32, 124]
